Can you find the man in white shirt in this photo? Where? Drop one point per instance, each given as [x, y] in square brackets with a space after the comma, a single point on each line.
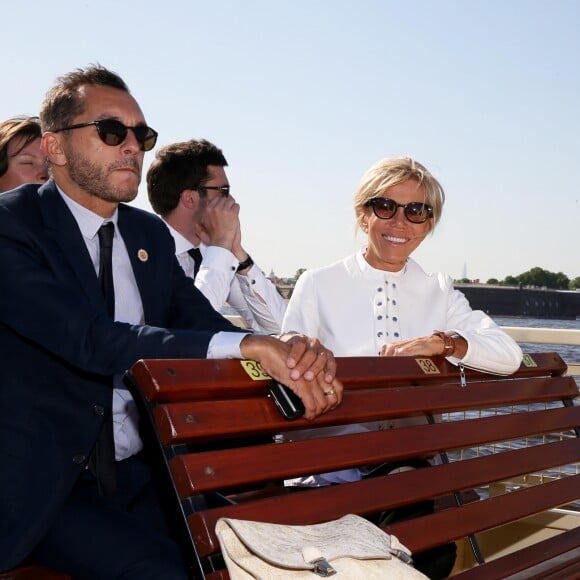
[188, 187]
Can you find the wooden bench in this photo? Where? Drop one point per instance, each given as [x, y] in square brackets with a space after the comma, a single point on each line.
[33, 573]
[216, 431]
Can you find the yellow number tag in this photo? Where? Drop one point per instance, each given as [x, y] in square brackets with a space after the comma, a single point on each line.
[529, 361]
[254, 370]
[427, 366]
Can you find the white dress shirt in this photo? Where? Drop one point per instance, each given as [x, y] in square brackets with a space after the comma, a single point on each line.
[354, 309]
[251, 294]
[129, 309]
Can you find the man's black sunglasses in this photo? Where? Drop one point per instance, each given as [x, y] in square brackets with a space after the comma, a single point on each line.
[113, 132]
[415, 211]
[225, 189]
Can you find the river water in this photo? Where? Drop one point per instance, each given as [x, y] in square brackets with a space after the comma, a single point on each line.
[570, 353]
[567, 352]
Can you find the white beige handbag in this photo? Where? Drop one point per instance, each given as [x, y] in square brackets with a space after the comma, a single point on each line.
[350, 547]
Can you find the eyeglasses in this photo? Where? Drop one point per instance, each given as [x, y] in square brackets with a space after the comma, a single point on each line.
[385, 208]
[225, 189]
[113, 132]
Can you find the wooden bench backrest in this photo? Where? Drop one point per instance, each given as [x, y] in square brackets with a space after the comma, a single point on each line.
[216, 427]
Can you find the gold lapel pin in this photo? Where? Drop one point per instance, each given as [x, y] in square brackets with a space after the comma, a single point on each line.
[143, 255]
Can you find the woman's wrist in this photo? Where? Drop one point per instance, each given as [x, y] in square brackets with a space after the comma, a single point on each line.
[449, 343]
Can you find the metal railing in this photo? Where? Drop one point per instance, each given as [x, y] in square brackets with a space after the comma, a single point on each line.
[561, 336]
[544, 336]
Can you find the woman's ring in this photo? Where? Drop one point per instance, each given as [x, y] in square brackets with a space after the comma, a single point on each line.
[329, 393]
[321, 353]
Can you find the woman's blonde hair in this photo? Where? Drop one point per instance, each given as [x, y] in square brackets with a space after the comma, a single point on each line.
[392, 171]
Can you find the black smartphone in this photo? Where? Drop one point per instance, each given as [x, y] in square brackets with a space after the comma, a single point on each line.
[287, 401]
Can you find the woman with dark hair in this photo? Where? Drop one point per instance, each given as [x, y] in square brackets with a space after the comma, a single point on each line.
[21, 160]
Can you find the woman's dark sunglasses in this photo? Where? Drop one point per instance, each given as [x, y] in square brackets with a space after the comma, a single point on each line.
[385, 208]
[113, 132]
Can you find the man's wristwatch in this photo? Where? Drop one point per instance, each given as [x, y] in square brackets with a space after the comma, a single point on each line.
[245, 264]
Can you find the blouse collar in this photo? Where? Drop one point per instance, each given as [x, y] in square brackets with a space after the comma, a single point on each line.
[368, 271]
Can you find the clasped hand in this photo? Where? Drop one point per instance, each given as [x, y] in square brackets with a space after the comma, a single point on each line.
[301, 363]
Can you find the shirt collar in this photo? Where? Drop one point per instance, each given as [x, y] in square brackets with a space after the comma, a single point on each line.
[182, 244]
[88, 221]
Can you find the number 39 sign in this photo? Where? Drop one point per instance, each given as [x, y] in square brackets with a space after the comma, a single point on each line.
[254, 370]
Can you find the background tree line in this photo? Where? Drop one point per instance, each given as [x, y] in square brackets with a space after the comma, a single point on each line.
[536, 277]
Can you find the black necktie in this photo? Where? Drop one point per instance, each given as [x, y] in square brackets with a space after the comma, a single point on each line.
[106, 233]
[102, 459]
[196, 255]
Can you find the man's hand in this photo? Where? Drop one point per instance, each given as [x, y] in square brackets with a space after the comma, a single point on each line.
[318, 395]
[220, 224]
[308, 357]
[237, 249]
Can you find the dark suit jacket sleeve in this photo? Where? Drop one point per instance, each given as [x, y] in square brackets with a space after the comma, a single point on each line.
[45, 300]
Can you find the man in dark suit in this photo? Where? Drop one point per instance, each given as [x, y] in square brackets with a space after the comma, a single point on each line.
[66, 340]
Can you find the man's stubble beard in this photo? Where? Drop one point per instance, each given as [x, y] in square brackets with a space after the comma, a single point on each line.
[94, 179]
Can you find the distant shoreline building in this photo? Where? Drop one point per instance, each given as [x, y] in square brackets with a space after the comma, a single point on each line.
[522, 301]
[284, 285]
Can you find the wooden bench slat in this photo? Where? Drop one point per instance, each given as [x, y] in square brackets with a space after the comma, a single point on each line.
[374, 369]
[417, 534]
[200, 472]
[205, 420]
[376, 494]
[555, 558]
[179, 379]
[218, 575]
[565, 566]
[485, 514]
[31, 572]
[534, 555]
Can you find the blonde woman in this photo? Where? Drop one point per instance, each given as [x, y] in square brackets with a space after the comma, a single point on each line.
[380, 302]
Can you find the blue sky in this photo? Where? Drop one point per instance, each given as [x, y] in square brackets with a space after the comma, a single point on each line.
[304, 96]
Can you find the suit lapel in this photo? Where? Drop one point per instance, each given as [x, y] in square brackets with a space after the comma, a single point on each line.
[62, 227]
[139, 250]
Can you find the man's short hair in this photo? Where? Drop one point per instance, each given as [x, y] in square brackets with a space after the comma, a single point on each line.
[64, 102]
[177, 167]
[25, 128]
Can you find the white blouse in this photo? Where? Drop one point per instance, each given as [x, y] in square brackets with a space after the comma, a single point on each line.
[354, 309]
